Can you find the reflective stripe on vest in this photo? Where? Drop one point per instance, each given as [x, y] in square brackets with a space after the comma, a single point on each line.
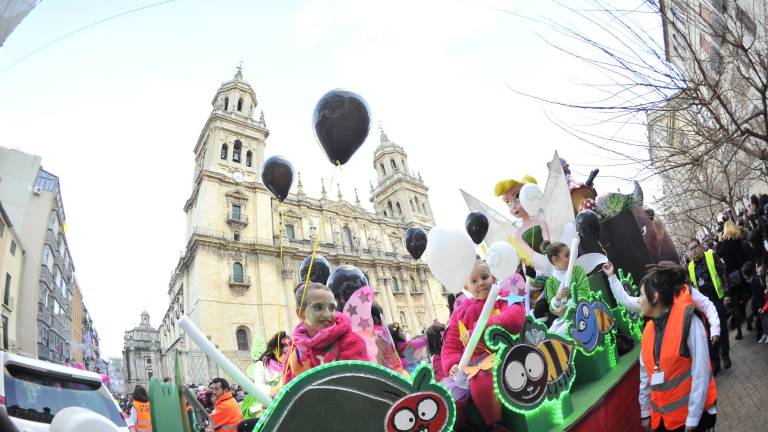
[709, 256]
[669, 400]
[672, 406]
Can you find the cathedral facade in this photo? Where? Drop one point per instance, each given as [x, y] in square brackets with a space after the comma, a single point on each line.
[233, 281]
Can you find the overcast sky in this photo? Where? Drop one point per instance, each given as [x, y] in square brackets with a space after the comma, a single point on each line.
[115, 112]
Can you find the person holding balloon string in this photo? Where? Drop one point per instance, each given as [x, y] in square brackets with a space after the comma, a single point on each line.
[510, 316]
[562, 293]
[323, 335]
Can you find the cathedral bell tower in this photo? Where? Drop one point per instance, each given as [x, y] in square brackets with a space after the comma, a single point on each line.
[232, 141]
[400, 194]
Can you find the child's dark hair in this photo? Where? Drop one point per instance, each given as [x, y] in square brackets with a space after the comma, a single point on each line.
[376, 313]
[435, 338]
[665, 279]
[396, 331]
[302, 298]
[274, 344]
[555, 249]
[748, 269]
[140, 394]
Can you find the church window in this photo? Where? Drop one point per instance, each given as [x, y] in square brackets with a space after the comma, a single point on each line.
[236, 237]
[242, 339]
[413, 285]
[289, 232]
[236, 149]
[224, 151]
[389, 206]
[383, 171]
[235, 212]
[240, 104]
[237, 272]
[395, 285]
[394, 165]
[248, 158]
[413, 208]
[348, 236]
[226, 103]
[399, 209]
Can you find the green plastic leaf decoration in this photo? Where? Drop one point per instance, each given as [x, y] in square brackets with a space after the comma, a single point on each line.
[349, 396]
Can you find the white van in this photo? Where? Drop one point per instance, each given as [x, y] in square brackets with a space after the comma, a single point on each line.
[33, 391]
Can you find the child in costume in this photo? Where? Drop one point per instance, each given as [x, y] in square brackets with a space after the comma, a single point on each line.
[434, 346]
[267, 373]
[323, 335]
[559, 296]
[699, 300]
[462, 323]
[533, 235]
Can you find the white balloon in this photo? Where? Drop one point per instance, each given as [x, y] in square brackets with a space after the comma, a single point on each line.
[502, 259]
[531, 198]
[450, 257]
[76, 419]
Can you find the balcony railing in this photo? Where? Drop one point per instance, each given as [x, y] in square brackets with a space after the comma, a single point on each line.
[237, 218]
[239, 280]
[305, 245]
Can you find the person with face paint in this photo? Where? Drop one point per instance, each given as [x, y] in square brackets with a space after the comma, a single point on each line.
[677, 389]
[323, 335]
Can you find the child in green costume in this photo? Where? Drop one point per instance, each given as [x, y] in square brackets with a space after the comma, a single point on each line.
[561, 297]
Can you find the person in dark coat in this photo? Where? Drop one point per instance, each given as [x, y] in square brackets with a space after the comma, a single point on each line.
[735, 252]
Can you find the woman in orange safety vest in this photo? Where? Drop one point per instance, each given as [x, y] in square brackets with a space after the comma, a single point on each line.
[677, 390]
[140, 412]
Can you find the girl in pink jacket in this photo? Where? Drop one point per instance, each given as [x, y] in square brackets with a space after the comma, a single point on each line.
[461, 325]
[323, 335]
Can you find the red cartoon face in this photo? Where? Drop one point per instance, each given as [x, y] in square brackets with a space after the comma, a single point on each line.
[419, 412]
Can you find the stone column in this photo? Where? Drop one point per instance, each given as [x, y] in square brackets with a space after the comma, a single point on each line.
[393, 315]
[415, 326]
[428, 300]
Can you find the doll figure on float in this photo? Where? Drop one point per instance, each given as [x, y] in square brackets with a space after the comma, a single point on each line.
[532, 236]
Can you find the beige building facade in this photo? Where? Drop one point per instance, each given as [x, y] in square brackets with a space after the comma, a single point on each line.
[231, 280]
[12, 256]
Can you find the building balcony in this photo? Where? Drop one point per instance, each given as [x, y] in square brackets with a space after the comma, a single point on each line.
[237, 218]
[239, 281]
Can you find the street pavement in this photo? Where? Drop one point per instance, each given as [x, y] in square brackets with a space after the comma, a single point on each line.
[742, 391]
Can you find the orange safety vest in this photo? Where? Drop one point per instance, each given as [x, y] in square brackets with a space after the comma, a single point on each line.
[143, 416]
[669, 400]
[226, 414]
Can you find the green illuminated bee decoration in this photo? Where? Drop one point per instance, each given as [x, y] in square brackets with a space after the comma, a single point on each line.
[530, 368]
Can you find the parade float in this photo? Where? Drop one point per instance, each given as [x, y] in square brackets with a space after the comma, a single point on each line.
[583, 377]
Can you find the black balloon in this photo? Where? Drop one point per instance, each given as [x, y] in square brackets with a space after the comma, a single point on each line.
[341, 121]
[415, 241]
[477, 226]
[277, 176]
[344, 281]
[588, 224]
[321, 269]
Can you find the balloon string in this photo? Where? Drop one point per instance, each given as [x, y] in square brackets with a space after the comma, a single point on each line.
[309, 271]
[282, 265]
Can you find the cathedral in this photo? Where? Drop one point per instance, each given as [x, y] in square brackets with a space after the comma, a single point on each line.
[231, 279]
